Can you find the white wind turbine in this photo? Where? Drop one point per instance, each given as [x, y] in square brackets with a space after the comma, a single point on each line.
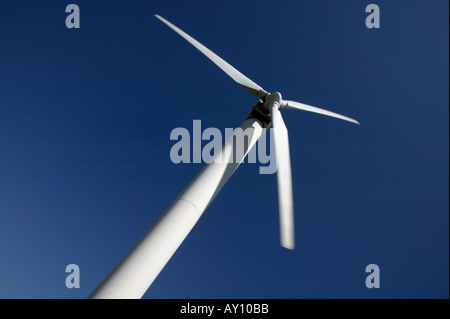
[134, 274]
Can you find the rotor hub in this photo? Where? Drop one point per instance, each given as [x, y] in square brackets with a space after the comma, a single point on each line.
[270, 98]
[275, 97]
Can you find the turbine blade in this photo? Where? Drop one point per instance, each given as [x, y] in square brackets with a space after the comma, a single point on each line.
[284, 178]
[227, 68]
[304, 107]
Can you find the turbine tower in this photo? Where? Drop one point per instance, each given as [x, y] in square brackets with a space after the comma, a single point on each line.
[134, 274]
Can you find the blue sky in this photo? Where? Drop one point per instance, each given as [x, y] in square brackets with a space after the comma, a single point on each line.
[85, 120]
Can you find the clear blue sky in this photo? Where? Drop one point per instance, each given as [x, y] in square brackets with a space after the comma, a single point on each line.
[85, 119]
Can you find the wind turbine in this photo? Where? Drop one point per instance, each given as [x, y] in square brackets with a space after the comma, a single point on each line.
[134, 274]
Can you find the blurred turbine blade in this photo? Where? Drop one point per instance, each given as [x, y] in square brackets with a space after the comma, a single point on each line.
[248, 84]
[304, 107]
[284, 178]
